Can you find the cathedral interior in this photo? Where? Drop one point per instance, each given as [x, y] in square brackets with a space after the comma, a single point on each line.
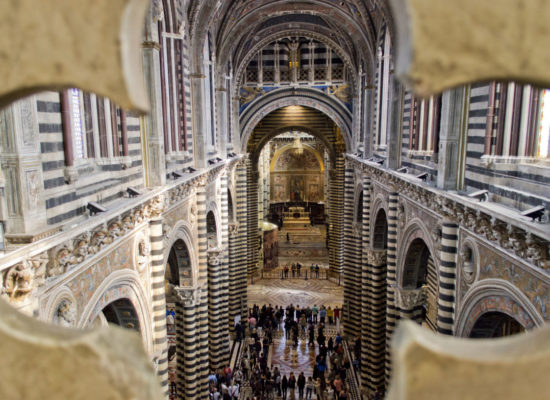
[162, 163]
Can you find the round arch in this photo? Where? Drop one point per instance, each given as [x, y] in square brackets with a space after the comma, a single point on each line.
[231, 214]
[415, 230]
[362, 39]
[182, 231]
[121, 284]
[54, 299]
[308, 34]
[212, 229]
[358, 205]
[288, 147]
[495, 295]
[379, 233]
[263, 141]
[312, 98]
[379, 205]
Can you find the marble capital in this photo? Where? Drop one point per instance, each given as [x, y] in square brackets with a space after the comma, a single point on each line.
[377, 258]
[408, 299]
[187, 295]
[215, 255]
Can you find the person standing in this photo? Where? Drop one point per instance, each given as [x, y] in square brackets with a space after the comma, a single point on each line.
[336, 315]
[277, 380]
[292, 386]
[322, 314]
[318, 389]
[301, 385]
[234, 391]
[311, 335]
[330, 315]
[310, 386]
[314, 311]
[338, 384]
[284, 386]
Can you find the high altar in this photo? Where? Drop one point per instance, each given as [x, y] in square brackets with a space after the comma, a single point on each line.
[296, 217]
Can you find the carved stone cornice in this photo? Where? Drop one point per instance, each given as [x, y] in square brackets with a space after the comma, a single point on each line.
[157, 206]
[501, 230]
[150, 45]
[18, 281]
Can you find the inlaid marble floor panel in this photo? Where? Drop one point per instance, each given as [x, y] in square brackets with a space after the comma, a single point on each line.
[295, 291]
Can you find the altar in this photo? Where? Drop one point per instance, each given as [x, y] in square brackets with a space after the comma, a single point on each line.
[296, 217]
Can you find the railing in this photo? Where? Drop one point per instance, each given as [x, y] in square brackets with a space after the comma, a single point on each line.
[305, 274]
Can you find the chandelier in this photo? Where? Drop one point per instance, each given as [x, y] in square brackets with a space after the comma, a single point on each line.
[297, 147]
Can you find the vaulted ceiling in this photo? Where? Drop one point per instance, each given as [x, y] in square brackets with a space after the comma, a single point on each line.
[239, 28]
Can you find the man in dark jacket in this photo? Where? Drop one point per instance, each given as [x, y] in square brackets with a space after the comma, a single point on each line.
[301, 385]
[284, 386]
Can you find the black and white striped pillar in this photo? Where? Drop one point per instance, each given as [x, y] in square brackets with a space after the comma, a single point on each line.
[187, 343]
[374, 321]
[160, 344]
[336, 215]
[224, 269]
[252, 177]
[447, 277]
[352, 268]
[366, 311]
[391, 312]
[238, 247]
[202, 294]
[217, 347]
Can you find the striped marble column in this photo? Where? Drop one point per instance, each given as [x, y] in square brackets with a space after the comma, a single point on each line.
[391, 312]
[160, 344]
[252, 176]
[202, 294]
[366, 311]
[187, 343]
[336, 215]
[224, 270]
[218, 333]
[351, 266]
[217, 343]
[238, 248]
[374, 321]
[447, 277]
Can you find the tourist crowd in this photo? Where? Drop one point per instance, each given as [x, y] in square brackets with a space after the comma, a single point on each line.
[294, 270]
[328, 378]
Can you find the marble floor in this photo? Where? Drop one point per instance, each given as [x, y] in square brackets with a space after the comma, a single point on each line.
[305, 294]
[306, 245]
[295, 291]
[283, 354]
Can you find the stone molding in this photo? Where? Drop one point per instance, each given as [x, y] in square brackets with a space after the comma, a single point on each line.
[512, 237]
[28, 267]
